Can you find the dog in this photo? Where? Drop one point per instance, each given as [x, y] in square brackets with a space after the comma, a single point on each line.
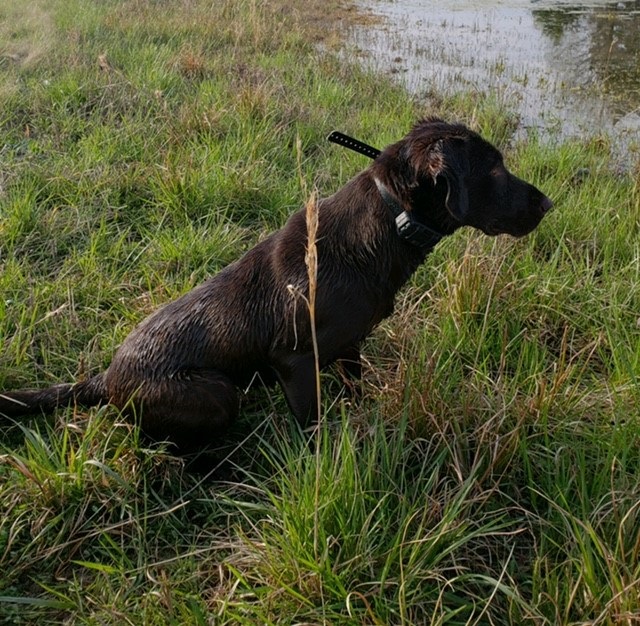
[179, 370]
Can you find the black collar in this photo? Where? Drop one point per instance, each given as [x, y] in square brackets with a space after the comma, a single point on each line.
[408, 227]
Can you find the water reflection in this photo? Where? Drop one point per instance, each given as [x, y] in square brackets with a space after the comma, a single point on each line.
[568, 69]
[607, 43]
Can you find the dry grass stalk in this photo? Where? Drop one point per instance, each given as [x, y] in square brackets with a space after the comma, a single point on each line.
[311, 261]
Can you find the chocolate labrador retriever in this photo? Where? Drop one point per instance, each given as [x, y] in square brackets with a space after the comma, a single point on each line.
[179, 369]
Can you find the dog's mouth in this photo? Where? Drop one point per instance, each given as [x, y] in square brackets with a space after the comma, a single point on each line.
[497, 227]
[491, 229]
[522, 225]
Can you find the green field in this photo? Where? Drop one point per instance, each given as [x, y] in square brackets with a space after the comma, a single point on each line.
[490, 474]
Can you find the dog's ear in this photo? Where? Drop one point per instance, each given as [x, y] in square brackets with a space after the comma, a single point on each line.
[453, 168]
[447, 163]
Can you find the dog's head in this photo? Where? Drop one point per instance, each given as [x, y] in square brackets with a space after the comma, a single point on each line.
[449, 173]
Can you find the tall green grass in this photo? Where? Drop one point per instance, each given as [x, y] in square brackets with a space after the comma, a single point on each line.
[488, 475]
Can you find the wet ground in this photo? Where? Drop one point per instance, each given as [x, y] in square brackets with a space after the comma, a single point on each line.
[567, 69]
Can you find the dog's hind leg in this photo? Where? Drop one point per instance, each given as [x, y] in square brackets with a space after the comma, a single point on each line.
[191, 410]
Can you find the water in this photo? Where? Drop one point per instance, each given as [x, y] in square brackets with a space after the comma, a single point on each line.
[566, 68]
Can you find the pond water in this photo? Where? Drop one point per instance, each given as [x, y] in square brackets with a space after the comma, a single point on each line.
[566, 68]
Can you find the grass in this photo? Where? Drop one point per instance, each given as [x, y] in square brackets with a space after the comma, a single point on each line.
[489, 475]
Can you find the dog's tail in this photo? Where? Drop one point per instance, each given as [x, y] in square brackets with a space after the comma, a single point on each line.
[29, 401]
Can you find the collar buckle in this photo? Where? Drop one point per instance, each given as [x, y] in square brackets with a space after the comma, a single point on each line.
[416, 233]
[407, 226]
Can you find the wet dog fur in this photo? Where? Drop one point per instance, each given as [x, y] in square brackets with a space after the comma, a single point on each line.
[181, 367]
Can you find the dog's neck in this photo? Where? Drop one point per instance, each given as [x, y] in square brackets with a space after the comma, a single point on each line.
[409, 229]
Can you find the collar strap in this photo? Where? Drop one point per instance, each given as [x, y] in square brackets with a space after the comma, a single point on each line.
[408, 228]
[353, 144]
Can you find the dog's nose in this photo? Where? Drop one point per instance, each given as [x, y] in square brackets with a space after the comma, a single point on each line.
[546, 205]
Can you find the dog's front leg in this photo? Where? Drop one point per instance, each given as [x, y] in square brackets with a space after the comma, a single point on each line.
[297, 376]
[350, 369]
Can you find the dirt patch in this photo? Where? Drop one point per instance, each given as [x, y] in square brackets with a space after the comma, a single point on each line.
[328, 23]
